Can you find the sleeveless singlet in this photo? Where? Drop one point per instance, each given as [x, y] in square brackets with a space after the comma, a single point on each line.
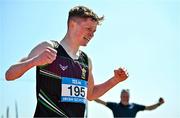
[62, 86]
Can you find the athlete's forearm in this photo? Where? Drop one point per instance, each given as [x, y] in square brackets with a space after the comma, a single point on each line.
[101, 89]
[17, 70]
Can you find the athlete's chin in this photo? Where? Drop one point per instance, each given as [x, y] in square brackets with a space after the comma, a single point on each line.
[84, 45]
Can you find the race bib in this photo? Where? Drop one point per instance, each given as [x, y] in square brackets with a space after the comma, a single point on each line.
[73, 90]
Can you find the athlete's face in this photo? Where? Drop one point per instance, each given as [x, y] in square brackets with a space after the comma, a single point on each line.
[125, 97]
[85, 30]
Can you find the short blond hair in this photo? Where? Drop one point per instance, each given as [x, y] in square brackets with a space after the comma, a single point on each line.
[84, 12]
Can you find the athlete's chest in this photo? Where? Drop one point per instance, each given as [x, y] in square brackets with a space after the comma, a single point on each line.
[66, 67]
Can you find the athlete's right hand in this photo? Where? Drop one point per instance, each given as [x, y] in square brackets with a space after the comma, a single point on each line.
[45, 57]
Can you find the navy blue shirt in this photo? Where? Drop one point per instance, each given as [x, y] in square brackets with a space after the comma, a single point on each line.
[120, 110]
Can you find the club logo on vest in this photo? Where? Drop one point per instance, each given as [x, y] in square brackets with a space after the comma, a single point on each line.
[63, 67]
[83, 76]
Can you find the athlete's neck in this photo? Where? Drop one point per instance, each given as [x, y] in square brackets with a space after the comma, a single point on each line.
[70, 46]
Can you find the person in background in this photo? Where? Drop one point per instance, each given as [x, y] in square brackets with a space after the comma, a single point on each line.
[126, 109]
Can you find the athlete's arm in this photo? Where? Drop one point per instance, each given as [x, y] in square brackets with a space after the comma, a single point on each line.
[95, 91]
[101, 102]
[42, 54]
[154, 106]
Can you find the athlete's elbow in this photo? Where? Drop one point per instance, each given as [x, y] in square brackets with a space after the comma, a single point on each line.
[90, 97]
[9, 76]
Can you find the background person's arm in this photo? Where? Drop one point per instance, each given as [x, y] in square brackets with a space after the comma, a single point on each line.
[100, 101]
[154, 106]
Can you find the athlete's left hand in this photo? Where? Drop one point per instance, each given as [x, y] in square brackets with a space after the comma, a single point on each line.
[120, 75]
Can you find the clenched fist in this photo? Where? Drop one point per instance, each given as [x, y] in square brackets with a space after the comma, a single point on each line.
[161, 101]
[120, 75]
[45, 57]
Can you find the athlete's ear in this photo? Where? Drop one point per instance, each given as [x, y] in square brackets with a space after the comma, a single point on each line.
[72, 24]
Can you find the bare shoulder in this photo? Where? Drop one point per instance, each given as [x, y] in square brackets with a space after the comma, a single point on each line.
[39, 48]
[45, 44]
